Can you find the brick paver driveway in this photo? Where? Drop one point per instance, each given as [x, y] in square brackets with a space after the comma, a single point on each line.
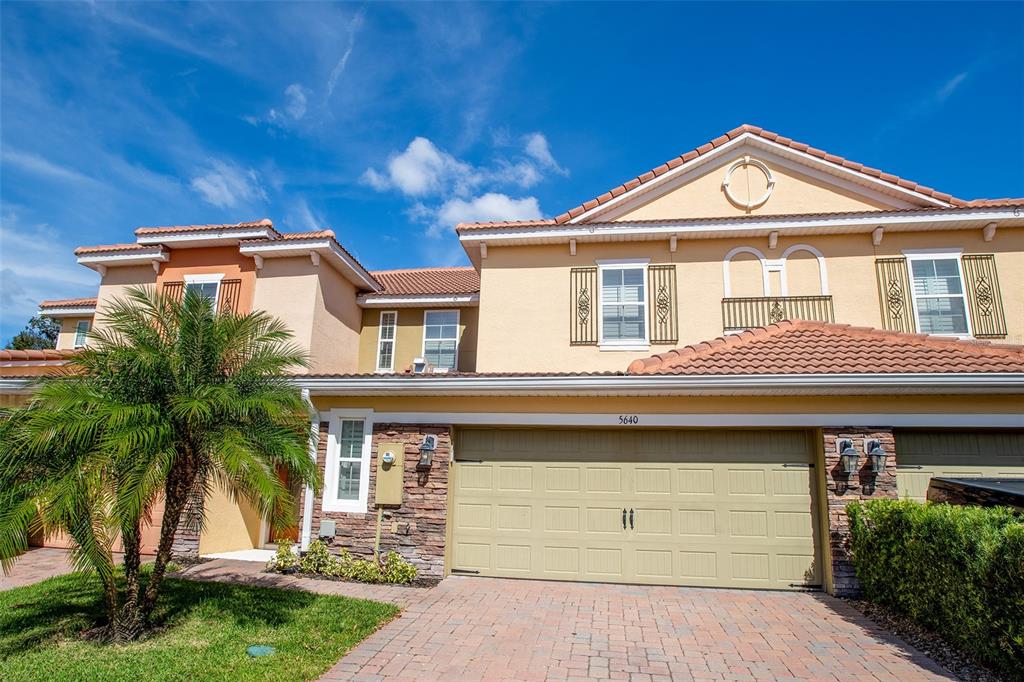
[493, 629]
[35, 565]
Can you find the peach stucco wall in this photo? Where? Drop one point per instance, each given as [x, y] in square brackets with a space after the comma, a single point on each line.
[116, 281]
[525, 307]
[223, 260]
[703, 197]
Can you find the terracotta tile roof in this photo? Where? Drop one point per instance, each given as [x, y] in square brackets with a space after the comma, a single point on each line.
[265, 222]
[68, 303]
[731, 135]
[315, 234]
[35, 355]
[800, 347]
[106, 248]
[427, 281]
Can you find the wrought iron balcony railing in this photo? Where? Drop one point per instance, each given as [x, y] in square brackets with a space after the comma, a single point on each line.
[757, 311]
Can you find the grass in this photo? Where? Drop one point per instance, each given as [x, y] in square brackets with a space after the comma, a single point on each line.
[202, 633]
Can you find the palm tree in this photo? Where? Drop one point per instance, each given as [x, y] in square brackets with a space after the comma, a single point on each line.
[171, 399]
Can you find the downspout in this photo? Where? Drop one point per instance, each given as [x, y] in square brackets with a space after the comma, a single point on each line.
[307, 507]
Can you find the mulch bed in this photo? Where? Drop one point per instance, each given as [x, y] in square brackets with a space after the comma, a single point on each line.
[927, 642]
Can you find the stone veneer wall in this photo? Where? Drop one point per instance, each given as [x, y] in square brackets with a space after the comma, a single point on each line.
[416, 529]
[842, 488]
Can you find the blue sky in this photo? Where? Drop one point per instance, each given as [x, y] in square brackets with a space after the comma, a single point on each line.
[388, 123]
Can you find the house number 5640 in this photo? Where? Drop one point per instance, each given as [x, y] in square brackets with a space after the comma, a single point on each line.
[629, 419]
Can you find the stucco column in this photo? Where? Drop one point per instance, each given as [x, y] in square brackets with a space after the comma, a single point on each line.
[842, 488]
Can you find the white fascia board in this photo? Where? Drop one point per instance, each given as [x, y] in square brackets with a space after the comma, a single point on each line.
[187, 236]
[893, 221]
[78, 311]
[806, 384]
[115, 259]
[280, 248]
[768, 145]
[385, 301]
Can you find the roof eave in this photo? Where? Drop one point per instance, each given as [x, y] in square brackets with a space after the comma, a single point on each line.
[668, 384]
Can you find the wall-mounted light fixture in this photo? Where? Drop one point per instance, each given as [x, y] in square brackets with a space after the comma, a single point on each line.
[848, 455]
[876, 455]
[427, 448]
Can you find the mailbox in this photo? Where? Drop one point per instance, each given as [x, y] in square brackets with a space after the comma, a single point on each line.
[390, 473]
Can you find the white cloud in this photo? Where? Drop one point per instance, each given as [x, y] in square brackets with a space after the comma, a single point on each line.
[537, 148]
[296, 106]
[43, 267]
[339, 66]
[487, 207]
[227, 185]
[37, 165]
[950, 86]
[302, 218]
[423, 169]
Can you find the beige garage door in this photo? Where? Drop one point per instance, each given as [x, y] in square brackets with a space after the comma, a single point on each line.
[920, 455]
[711, 508]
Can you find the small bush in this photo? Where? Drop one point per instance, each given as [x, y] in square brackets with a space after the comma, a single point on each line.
[285, 557]
[318, 560]
[958, 571]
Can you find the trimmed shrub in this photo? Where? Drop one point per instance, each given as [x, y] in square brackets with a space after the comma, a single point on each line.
[958, 571]
[318, 560]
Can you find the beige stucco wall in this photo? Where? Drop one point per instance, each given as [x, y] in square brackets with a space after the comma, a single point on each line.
[116, 281]
[230, 525]
[704, 197]
[409, 338]
[525, 307]
[69, 330]
[334, 336]
[699, 405]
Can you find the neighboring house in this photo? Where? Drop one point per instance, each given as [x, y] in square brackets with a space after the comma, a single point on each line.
[653, 387]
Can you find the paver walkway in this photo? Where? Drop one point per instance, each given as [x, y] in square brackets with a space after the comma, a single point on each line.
[493, 629]
[36, 565]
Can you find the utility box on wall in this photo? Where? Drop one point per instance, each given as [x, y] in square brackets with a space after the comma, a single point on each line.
[390, 473]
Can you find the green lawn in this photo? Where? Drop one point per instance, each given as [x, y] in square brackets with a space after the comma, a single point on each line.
[205, 629]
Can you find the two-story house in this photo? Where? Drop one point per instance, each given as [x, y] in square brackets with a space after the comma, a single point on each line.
[681, 381]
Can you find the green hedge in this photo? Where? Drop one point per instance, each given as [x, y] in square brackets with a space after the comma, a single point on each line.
[958, 571]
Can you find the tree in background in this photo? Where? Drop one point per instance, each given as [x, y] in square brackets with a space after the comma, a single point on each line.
[170, 400]
[39, 334]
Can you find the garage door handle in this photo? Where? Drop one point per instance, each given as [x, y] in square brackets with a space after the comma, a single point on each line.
[623, 518]
[631, 519]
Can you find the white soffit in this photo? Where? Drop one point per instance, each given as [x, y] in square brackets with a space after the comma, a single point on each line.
[143, 255]
[187, 239]
[425, 301]
[68, 311]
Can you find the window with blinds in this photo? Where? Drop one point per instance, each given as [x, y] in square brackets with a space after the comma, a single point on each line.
[386, 341]
[441, 338]
[623, 305]
[939, 298]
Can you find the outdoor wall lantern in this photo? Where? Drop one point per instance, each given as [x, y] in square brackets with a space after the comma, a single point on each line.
[427, 448]
[848, 455]
[876, 455]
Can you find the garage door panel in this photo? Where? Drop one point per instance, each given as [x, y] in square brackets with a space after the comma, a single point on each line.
[715, 521]
[922, 455]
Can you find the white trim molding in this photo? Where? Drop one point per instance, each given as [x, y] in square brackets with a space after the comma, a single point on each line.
[330, 503]
[144, 255]
[410, 301]
[68, 311]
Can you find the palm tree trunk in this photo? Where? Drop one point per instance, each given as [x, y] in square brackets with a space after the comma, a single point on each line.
[176, 495]
[129, 623]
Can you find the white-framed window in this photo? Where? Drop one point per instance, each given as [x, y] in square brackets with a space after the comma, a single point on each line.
[937, 285]
[386, 341]
[622, 324]
[347, 469]
[441, 339]
[81, 333]
[207, 286]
